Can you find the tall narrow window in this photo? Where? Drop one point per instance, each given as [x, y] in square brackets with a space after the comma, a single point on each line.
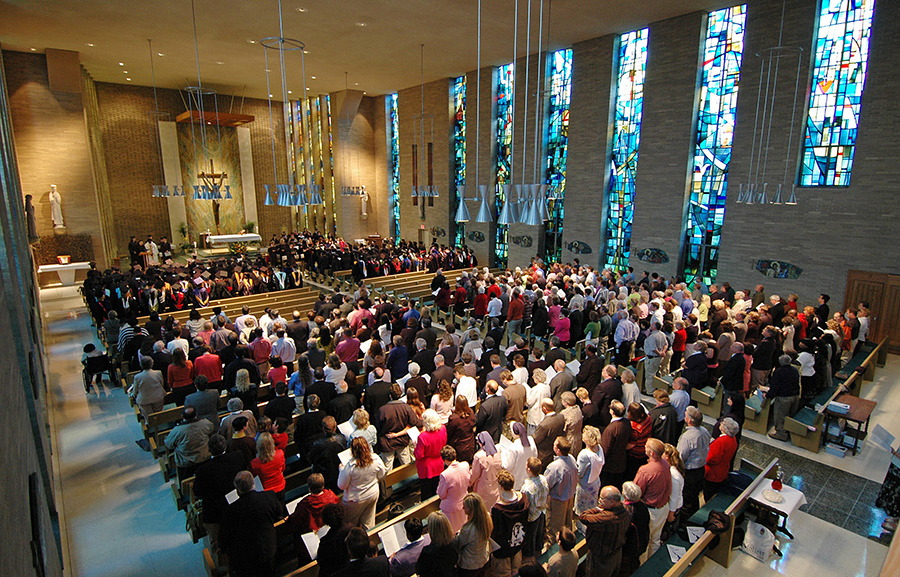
[720, 77]
[557, 148]
[395, 167]
[504, 134]
[842, 49]
[632, 66]
[330, 159]
[458, 96]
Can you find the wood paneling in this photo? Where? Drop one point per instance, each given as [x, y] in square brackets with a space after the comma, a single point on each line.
[882, 291]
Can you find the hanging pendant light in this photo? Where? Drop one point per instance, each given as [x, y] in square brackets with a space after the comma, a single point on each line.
[542, 202]
[777, 198]
[462, 212]
[507, 212]
[792, 198]
[534, 212]
[525, 203]
[484, 211]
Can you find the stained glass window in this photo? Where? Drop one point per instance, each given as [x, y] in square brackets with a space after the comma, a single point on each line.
[505, 77]
[842, 49]
[720, 78]
[632, 66]
[557, 148]
[330, 159]
[395, 167]
[459, 147]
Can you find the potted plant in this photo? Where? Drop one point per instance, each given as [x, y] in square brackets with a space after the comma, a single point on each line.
[250, 227]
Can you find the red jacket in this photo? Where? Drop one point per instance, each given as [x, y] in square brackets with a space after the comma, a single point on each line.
[428, 453]
[718, 460]
[209, 365]
[307, 516]
[516, 309]
[272, 473]
[481, 302]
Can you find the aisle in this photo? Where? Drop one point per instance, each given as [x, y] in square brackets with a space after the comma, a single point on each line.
[119, 516]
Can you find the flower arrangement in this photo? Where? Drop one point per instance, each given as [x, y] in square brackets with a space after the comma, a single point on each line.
[238, 247]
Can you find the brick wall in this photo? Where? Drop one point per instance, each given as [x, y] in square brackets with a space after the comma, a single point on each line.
[667, 145]
[52, 147]
[590, 129]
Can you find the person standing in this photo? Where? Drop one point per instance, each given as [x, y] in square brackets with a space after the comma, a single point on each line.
[614, 442]
[453, 487]
[428, 453]
[693, 446]
[606, 526]
[358, 479]
[562, 478]
[474, 538]
[247, 531]
[784, 391]
[655, 481]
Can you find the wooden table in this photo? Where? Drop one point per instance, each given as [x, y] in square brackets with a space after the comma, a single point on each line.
[860, 412]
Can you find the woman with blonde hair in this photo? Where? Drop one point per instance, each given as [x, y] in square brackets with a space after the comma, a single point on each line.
[246, 391]
[442, 401]
[589, 465]
[269, 465]
[429, 464]
[474, 539]
[676, 498]
[358, 479]
[363, 428]
[438, 558]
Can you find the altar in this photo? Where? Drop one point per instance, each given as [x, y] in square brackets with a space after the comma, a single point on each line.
[229, 238]
[66, 272]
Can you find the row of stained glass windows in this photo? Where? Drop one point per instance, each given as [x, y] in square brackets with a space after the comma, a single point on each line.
[720, 78]
[557, 150]
[459, 149]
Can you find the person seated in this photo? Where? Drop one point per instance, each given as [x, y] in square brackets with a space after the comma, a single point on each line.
[403, 562]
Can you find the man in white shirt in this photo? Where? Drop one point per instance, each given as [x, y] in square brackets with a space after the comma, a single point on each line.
[495, 307]
[285, 349]
[466, 385]
[240, 323]
[178, 343]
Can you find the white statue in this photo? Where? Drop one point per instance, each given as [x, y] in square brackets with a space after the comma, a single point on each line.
[56, 208]
[364, 199]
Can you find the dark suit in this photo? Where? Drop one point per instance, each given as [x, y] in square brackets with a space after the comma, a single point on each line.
[733, 375]
[333, 551]
[214, 479]
[247, 533]
[420, 385]
[551, 427]
[666, 427]
[591, 373]
[559, 384]
[695, 371]
[614, 442]
[324, 458]
[442, 373]
[341, 407]
[425, 360]
[606, 392]
[366, 567]
[281, 407]
[378, 395]
[299, 331]
[490, 416]
[324, 390]
[554, 354]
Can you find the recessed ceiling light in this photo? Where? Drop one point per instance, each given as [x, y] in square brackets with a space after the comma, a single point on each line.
[270, 96]
[121, 64]
[88, 44]
[361, 24]
[268, 70]
[128, 79]
[251, 41]
[160, 54]
[220, 63]
[124, 72]
[364, 91]
[301, 9]
[307, 87]
[34, 49]
[290, 91]
[356, 84]
[306, 51]
[313, 77]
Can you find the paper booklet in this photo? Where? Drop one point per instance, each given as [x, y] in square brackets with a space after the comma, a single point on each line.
[345, 457]
[413, 434]
[881, 437]
[233, 496]
[346, 428]
[393, 538]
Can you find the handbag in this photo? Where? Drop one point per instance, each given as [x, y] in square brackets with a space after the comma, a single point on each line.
[758, 542]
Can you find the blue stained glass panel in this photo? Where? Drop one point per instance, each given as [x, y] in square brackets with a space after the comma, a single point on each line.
[504, 134]
[720, 78]
[395, 167]
[632, 67]
[459, 147]
[557, 149]
[839, 74]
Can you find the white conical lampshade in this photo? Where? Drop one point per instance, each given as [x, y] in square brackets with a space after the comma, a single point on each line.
[462, 211]
[484, 211]
[792, 198]
[507, 213]
[525, 202]
[542, 203]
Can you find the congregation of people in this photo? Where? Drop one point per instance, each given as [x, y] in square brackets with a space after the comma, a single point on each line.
[522, 448]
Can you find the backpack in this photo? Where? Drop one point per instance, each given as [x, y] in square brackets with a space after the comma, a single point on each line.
[194, 523]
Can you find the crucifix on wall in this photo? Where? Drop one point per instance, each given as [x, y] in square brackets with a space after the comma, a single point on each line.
[213, 183]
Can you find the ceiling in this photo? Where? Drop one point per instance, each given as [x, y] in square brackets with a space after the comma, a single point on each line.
[375, 42]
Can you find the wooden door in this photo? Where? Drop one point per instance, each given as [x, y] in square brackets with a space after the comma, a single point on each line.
[882, 291]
